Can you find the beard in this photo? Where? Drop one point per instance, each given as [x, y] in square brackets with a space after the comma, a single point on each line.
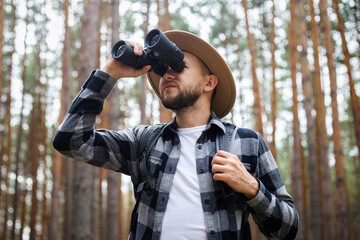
[184, 99]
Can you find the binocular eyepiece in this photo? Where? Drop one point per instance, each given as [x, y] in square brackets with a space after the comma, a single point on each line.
[160, 53]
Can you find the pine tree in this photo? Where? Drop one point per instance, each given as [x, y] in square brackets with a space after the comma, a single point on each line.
[83, 189]
[342, 200]
[296, 173]
[322, 141]
[257, 110]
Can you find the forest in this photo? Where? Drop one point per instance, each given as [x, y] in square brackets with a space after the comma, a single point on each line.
[297, 70]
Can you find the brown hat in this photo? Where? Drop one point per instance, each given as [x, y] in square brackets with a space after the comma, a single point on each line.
[225, 95]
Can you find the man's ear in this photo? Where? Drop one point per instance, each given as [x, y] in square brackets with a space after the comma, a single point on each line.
[211, 82]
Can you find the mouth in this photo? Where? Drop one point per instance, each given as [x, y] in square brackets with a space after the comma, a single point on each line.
[168, 86]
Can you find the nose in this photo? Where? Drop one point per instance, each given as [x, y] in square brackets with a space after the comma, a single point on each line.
[169, 75]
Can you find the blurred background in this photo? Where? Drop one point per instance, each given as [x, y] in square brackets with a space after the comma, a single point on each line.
[297, 70]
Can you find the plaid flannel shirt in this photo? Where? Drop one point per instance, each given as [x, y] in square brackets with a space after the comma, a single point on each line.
[272, 208]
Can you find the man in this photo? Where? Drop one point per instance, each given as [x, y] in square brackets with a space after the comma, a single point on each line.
[197, 187]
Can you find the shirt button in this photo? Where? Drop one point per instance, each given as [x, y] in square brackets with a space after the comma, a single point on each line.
[212, 233]
[201, 171]
[206, 201]
[199, 146]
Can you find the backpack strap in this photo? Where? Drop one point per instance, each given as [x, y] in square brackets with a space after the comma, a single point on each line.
[147, 141]
[228, 140]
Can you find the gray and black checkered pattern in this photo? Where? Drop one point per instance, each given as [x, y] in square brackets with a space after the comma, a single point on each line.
[272, 208]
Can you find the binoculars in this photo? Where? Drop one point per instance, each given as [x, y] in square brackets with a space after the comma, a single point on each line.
[160, 53]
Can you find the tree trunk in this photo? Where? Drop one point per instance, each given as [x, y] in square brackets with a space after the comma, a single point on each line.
[24, 192]
[354, 99]
[144, 85]
[342, 201]
[19, 138]
[113, 117]
[83, 178]
[8, 142]
[296, 173]
[53, 226]
[98, 218]
[322, 141]
[165, 114]
[167, 17]
[34, 158]
[2, 18]
[316, 224]
[160, 23]
[65, 105]
[44, 142]
[257, 99]
[59, 159]
[273, 83]
[38, 111]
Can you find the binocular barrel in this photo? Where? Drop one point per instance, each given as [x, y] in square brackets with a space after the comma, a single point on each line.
[160, 53]
[165, 50]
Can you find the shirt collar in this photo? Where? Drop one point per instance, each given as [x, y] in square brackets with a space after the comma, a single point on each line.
[214, 121]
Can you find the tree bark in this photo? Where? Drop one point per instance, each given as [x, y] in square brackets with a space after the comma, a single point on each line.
[322, 141]
[144, 85]
[165, 114]
[296, 173]
[44, 211]
[316, 224]
[19, 137]
[354, 99]
[114, 185]
[34, 158]
[65, 105]
[342, 201]
[8, 142]
[59, 159]
[257, 99]
[83, 174]
[2, 18]
[167, 17]
[273, 83]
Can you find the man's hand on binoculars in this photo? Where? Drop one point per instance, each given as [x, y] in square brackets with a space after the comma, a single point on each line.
[119, 70]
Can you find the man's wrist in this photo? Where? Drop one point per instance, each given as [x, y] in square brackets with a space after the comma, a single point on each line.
[109, 71]
[253, 189]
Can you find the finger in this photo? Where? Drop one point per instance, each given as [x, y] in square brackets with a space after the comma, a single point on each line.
[217, 159]
[223, 153]
[220, 177]
[138, 49]
[217, 168]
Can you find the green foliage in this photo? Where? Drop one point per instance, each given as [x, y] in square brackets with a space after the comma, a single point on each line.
[178, 22]
[129, 19]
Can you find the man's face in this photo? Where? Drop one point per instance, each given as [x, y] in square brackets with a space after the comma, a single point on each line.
[182, 90]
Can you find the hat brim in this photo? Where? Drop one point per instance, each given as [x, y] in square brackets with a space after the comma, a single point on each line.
[225, 95]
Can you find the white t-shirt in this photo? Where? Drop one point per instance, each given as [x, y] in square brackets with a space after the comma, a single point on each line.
[184, 217]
